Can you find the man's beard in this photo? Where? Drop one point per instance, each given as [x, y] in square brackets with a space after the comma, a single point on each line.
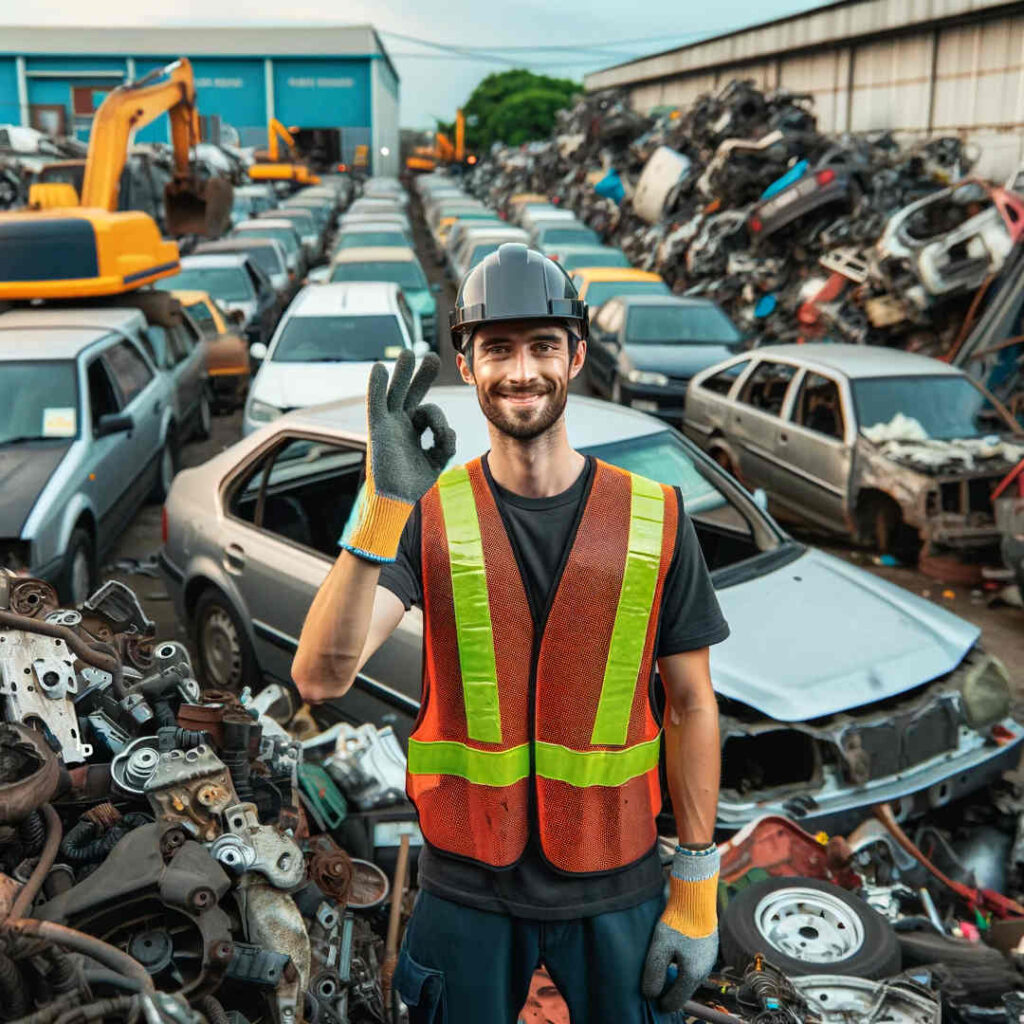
[528, 423]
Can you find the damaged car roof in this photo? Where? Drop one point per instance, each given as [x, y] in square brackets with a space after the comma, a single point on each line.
[861, 360]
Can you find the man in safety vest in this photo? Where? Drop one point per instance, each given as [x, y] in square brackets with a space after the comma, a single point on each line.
[551, 584]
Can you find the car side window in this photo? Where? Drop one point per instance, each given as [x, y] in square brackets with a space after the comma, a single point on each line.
[818, 406]
[253, 277]
[102, 397]
[766, 387]
[177, 344]
[721, 383]
[129, 370]
[302, 491]
[202, 316]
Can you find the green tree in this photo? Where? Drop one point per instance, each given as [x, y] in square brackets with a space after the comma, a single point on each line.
[514, 107]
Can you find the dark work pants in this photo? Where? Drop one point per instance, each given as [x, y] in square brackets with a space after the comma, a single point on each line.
[459, 965]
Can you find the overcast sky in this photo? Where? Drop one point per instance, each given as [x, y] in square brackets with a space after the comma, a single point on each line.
[434, 83]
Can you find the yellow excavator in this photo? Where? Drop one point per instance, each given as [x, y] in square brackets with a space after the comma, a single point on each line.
[270, 166]
[71, 246]
[444, 151]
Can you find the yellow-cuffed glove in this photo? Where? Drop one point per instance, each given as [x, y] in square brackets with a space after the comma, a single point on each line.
[399, 470]
[687, 934]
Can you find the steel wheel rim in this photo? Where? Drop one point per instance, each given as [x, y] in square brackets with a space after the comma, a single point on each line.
[80, 576]
[809, 925]
[222, 650]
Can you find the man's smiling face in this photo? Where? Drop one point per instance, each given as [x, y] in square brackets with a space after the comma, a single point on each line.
[521, 371]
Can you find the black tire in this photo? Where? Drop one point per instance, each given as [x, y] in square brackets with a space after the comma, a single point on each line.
[165, 472]
[204, 416]
[226, 657]
[78, 574]
[979, 970]
[877, 956]
[890, 533]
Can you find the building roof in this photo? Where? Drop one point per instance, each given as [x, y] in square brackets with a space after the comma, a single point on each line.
[861, 360]
[830, 24]
[362, 298]
[238, 40]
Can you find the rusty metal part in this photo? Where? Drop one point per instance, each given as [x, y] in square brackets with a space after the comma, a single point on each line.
[273, 921]
[54, 833]
[9, 888]
[248, 846]
[33, 597]
[203, 718]
[370, 886]
[191, 788]
[137, 651]
[330, 867]
[104, 814]
[82, 650]
[106, 954]
[20, 797]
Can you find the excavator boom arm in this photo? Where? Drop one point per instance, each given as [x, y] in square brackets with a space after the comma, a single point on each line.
[275, 131]
[132, 106]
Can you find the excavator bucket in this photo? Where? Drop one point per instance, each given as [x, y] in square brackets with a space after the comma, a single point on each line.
[194, 207]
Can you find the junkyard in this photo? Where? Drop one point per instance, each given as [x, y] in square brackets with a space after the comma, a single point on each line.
[804, 318]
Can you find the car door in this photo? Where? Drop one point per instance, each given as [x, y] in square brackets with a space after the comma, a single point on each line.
[285, 517]
[815, 452]
[266, 302]
[603, 349]
[189, 365]
[109, 473]
[754, 423]
[142, 394]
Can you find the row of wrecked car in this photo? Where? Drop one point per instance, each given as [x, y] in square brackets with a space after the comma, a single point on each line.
[802, 237]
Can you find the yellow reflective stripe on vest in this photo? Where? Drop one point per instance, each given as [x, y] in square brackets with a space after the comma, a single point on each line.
[580, 768]
[596, 767]
[636, 601]
[484, 767]
[472, 609]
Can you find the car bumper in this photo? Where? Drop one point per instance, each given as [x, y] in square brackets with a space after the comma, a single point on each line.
[666, 402]
[836, 807]
[229, 388]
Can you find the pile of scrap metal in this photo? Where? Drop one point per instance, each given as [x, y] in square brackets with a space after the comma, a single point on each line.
[167, 853]
[874, 926]
[798, 234]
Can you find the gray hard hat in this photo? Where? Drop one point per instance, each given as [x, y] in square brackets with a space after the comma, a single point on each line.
[517, 283]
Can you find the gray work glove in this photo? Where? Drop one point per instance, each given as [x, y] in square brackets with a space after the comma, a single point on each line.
[687, 934]
[399, 471]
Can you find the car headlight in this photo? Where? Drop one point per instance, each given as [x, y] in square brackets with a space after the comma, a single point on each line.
[263, 412]
[657, 380]
[986, 692]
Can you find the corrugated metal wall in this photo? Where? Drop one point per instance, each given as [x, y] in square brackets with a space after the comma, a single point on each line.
[964, 79]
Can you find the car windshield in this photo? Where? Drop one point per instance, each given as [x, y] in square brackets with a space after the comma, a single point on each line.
[596, 258]
[302, 220]
[939, 408]
[567, 236]
[600, 292]
[663, 456]
[368, 239]
[339, 339]
[405, 274]
[231, 284]
[266, 257]
[286, 236]
[654, 325]
[44, 401]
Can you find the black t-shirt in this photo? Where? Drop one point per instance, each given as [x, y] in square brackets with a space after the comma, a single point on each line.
[540, 529]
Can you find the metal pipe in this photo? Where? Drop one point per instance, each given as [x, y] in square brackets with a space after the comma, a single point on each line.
[84, 651]
[692, 1009]
[108, 955]
[54, 832]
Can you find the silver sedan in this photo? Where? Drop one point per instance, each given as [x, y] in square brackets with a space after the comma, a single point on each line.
[837, 690]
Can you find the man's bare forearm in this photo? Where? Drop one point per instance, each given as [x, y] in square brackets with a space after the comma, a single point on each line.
[336, 627]
[692, 752]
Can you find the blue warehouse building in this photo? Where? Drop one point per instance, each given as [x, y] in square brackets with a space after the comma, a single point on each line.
[310, 77]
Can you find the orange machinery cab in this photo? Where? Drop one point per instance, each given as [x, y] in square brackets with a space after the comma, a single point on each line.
[69, 253]
[298, 173]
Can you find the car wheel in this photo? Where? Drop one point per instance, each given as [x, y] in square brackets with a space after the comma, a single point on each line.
[204, 416]
[892, 536]
[227, 660]
[805, 926]
[167, 467]
[78, 575]
[721, 456]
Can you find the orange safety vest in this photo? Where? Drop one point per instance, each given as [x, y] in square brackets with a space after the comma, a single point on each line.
[551, 722]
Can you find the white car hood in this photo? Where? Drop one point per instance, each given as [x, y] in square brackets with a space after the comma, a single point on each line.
[819, 636]
[296, 385]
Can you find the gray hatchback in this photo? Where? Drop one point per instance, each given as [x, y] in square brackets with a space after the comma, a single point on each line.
[837, 690]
